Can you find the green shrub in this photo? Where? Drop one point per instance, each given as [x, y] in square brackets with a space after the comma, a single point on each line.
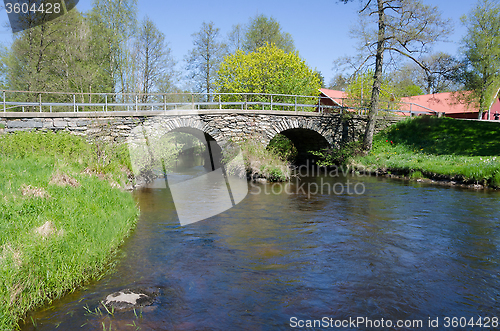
[416, 175]
[339, 157]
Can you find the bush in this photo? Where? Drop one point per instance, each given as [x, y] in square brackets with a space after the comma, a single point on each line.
[338, 157]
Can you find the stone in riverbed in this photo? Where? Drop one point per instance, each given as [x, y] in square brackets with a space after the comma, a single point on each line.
[131, 298]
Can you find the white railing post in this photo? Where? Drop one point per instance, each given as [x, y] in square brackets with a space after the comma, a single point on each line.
[271, 102]
[74, 103]
[165, 102]
[40, 102]
[106, 101]
[295, 103]
[4, 107]
[136, 107]
[220, 105]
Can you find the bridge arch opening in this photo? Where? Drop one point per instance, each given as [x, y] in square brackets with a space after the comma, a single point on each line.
[304, 141]
[193, 147]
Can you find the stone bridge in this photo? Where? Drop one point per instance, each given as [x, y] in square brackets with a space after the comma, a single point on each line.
[307, 130]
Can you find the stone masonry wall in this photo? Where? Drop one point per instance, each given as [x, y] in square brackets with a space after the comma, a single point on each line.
[220, 125]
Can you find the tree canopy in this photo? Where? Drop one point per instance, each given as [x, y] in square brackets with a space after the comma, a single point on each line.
[481, 53]
[267, 70]
[263, 30]
[204, 58]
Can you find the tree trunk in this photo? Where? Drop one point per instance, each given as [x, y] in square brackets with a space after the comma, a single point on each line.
[370, 125]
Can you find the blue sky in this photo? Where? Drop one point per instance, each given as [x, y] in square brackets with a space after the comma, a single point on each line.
[319, 28]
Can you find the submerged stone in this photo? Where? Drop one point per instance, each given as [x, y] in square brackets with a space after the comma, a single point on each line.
[131, 298]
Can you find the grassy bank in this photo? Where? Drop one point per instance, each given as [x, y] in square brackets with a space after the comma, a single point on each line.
[61, 220]
[438, 148]
[257, 161]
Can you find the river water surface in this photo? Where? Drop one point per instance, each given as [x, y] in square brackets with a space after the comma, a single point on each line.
[280, 258]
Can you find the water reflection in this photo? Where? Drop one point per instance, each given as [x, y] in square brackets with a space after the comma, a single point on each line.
[399, 251]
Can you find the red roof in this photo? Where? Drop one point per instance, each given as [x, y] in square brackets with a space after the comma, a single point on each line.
[445, 102]
[440, 102]
[334, 95]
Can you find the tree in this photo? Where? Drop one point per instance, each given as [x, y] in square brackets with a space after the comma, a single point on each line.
[267, 70]
[262, 30]
[114, 23]
[204, 59]
[404, 28]
[155, 65]
[55, 56]
[339, 82]
[4, 69]
[441, 68]
[481, 54]
[235, 38]
[321, 78]
[361, 84]
[404, 82]
[74, 59]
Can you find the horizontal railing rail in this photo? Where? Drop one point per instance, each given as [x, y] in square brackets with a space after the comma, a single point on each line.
[32, 101]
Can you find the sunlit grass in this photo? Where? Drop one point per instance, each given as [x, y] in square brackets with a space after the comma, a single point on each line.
[435, 146]
[55, 237]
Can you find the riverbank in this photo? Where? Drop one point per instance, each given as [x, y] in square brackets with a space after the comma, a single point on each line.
[258, 163]
[439, 150]
[63, 215]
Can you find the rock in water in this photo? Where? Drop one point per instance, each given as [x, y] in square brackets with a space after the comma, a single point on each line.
[131, 298]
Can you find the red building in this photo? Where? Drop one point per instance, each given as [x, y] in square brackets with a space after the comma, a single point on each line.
[446, 103]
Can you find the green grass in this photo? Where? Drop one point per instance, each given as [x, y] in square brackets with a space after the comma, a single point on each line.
[468, 151]
[258, 162]
[84, 223]
[447, 136]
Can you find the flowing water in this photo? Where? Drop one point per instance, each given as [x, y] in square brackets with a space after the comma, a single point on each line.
[283, 258]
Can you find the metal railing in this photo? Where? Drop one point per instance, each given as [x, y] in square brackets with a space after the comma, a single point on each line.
[29, 101]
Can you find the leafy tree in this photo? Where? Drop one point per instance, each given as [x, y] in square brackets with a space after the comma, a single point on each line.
[155, 65]
[267, 70]
[74, 61]
[4, 69]
[404, 28]
[359, 89]
[481, 52]
[262, 30]
[114, 24]
[204, 59]
[55, 56]
[321, 78]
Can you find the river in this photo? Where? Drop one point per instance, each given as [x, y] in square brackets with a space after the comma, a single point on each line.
[389, 252]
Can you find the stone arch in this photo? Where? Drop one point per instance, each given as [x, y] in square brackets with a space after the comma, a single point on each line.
[306, 135]
[290, 123]
[156, 127]
[191, 124]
